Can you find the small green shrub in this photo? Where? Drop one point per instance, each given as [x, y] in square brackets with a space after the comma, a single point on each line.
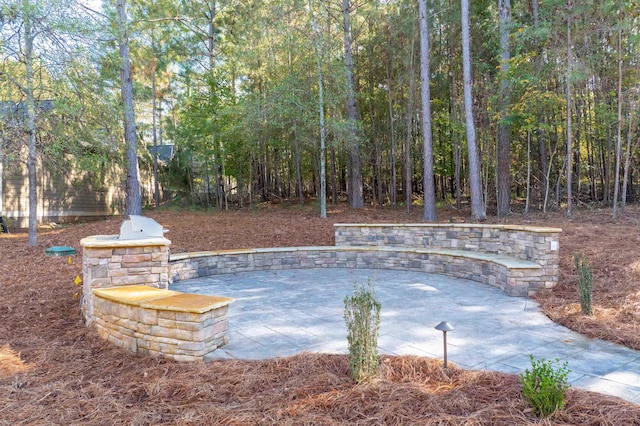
[545, 387]
[585, 284]
[362, 316]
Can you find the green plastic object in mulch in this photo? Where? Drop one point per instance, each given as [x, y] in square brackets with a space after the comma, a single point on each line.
[60, 251]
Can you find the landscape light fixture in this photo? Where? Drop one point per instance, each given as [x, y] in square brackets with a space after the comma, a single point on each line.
[444, 327]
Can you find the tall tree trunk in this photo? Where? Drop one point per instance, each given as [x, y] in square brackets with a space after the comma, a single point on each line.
[526, 206]
[540, 136]
[218, 165]
[133, 195]
[504, 128]
[355, 164]
[429, 214]
[298, 166]
[376, 180]
[592, 155]
[547, 181]
[276, 173]
[454, 132]
[392, 159]
[477, 208]
[32, 239]
[616, 183]
[207, 186]
[569, 130]
[156, 185]
[218, 169]
[408, 196]
[334, 177]
[211, 35]
[323, 173]
[576, 154]
[375, 142]
[627, 160]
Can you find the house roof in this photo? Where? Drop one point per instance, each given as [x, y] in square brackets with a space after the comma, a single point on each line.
[165, 152]
[19, 109]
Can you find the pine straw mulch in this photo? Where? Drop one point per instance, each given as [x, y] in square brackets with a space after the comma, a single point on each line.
[53, 370]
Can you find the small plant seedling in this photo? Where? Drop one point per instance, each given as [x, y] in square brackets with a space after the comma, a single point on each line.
[362, 316]
[545, 386]
[585, 284]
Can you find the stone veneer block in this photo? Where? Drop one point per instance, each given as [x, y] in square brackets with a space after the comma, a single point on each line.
[148, 320]
[111, 262]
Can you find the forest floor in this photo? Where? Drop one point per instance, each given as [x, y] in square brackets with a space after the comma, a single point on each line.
[54, 370]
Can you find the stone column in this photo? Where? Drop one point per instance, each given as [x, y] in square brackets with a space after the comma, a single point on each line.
[110, 262]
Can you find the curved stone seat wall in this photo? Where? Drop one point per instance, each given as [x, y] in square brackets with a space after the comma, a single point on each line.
[517, 259]
[537, 244]
[514, 276]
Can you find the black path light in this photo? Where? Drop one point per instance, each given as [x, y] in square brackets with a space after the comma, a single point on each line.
[444, 327]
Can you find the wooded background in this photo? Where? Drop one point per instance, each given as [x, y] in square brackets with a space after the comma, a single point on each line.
[261, 97]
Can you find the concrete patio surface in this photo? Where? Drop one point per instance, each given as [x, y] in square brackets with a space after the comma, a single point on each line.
[281, 313]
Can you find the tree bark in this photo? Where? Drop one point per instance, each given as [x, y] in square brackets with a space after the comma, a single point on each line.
[477, 208]
[32, 239]
[408, 196]
[504, 128]
[454, 132]
[528, 197]
[334, 177]
[429, 214]
[627, 160]
[323, 173]
[356, 198]
[133, 195]
[156, 185]
[616, 183]
[569, 130]
[298, 166]
[392, 159]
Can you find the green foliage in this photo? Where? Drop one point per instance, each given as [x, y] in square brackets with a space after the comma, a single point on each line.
[362, 316]
[544, 386]
[585, 283]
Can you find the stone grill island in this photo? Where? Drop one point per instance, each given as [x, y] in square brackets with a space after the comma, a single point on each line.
[126, 296]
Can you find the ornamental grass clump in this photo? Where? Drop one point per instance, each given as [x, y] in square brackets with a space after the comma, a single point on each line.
[585, 284]
[545, 386]
[362, 316]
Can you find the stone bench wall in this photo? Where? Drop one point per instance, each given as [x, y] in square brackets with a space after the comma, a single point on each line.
[537, 244]
[149, 321]
[515, 277]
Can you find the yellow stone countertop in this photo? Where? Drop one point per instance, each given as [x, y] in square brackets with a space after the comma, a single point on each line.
[186, 302]
[111, 241]
[133, 294]
[161, 299]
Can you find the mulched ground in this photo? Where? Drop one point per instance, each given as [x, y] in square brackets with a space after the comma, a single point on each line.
[53, 370]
